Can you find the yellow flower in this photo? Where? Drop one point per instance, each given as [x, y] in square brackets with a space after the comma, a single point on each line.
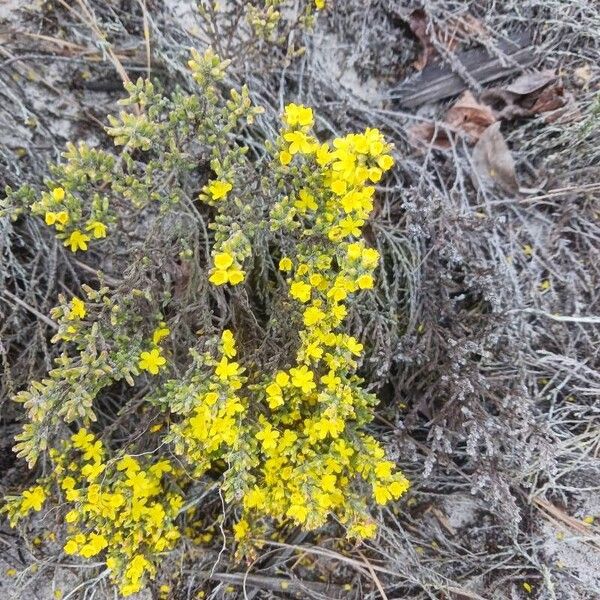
[77, 309]
[82, 439]
[137, 566]
[365, 282]
[374, 174]
[50, 218]
[95, 544]
[306, 201]
[228, 342]
[338, 187]
[285, 158]
[161, 467]
[241, 529]
[324, 155]
[223, 260]
[296, 114]
[33, 499]
[61, 217]
[287, 439]
[299, 142]
[275, 402]
[155, 516]
[111, 563]
[327, 426]
[68, 483]
[219, 277]
[363, 530]
[151, 361]
[313, 315]
[225, 270]
[235, 276]
[219, 189]
[319, 4]
[226, 370]
[285, 264]
[354, 251]
[274, 396]
[159, 333]
[398, 487]
[72, 516]
[141, 485]
[97, 228]
[300, 291]
[313, 350]
[303, 378]
[71, 547]
[331, 380]
[298, 512]
[77, 241]
[383, 469]
[58, 194]
[72, 495]
[282, 379]
[268, 436]
[381, 493]
[370, 258]
[385, 162]
[92, 471]
[93, 452]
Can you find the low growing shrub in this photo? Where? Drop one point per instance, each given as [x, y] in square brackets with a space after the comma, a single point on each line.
[278, 429]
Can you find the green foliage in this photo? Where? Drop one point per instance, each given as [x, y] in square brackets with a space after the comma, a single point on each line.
[284, 436]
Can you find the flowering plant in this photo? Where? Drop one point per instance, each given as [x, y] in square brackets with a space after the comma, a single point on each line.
[284, 436]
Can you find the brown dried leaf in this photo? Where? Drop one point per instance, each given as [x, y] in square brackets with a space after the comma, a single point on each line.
[467, 117]
[418, 21]
[470, 117]
[429, 134]
[493, 163]
[550, 98]
[531, 82]
[567, 113]
[532, 94]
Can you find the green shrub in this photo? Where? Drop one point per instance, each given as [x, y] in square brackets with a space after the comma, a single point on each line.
[280, 428]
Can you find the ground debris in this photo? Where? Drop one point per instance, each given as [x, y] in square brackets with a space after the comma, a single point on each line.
[437, 82]
[493, 163]
[467, 117]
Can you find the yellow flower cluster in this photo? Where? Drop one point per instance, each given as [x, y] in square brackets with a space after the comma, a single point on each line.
[303, 456]
[289, 445]
[226, 269]
[123, 506]
[61, 210]
[213, 429]
[312, 448]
